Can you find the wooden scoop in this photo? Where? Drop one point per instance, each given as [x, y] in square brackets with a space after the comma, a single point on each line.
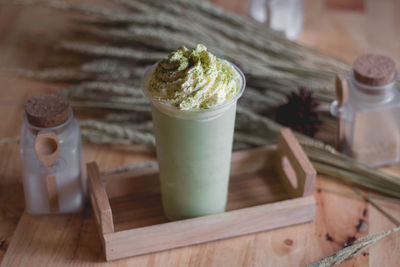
[47, 149]
[342, 95]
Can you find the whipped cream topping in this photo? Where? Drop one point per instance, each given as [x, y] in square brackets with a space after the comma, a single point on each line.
[193, 79]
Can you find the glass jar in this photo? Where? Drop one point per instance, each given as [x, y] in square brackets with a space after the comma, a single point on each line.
[370, 118]
[286, 16]
[57, 185]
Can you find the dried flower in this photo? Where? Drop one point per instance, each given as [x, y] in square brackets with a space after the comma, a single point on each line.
[300, 112]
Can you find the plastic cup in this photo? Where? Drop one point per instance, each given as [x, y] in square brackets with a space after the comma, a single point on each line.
[194, 149]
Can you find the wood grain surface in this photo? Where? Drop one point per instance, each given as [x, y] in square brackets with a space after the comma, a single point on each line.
[73, 239]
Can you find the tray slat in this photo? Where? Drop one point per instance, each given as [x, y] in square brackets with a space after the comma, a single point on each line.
[100, 201]
[199, 230]
[294, 165]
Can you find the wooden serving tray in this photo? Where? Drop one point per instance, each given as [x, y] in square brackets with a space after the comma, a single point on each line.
[270, 187]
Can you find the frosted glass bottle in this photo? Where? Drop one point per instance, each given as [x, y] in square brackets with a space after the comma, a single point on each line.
[371, 115]
[69, 187]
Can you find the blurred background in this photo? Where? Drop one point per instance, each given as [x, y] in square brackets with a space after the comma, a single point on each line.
[344, 29]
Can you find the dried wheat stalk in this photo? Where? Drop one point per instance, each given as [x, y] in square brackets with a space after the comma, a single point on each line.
[137, 33]
[352, 251]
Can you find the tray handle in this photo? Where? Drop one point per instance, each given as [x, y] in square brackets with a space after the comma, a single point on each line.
[99, 200]
[294, 168]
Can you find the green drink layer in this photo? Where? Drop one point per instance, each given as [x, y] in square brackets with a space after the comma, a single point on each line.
[194, 160]
[194, 96]
[193, 79]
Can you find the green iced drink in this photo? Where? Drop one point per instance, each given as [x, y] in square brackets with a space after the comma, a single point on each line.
[194, 97]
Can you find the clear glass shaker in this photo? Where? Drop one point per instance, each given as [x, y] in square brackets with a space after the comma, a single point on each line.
[369, 118]
[286, 16]
[51, 157]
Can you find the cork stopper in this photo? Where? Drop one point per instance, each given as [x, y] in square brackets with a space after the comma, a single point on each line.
[374, 70]
[47, 110]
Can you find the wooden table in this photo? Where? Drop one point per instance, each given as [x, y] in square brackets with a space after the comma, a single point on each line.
[343, 33]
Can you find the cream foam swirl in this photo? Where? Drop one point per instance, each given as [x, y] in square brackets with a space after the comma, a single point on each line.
[193, 79]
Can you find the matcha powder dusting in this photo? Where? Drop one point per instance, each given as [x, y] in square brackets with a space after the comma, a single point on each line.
[193, 79]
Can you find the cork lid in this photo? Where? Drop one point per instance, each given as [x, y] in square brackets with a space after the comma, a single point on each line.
[47, 110]
[374, 70]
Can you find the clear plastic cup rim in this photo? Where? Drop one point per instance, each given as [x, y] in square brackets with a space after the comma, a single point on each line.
[193, 114]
